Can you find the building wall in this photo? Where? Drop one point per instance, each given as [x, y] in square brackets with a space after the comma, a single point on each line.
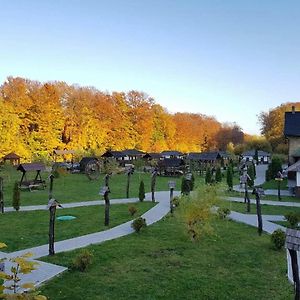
[294, 145]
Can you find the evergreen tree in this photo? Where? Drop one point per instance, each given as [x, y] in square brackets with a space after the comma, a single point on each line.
[142, 191]
[185, 186]
[218, 175]
[16, 197]
[229, 178]
[208, 175]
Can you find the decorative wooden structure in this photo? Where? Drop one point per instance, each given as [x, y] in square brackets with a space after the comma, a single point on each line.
[292, 244]
[37, 181]
[63, 153]
[13, 158]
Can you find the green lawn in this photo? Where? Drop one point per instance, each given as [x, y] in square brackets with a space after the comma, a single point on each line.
[161, 263]
[21, 230]
[273, 185]
[266, 209]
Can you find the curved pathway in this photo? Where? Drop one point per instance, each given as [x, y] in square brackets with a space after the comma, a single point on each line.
[46, 271]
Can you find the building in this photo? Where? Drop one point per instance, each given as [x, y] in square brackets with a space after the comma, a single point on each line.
[262, 156]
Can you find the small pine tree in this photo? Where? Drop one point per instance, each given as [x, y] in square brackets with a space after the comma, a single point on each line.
[229, 178]
[192, 183]
[16, 197]
[185, 186]
[142, 191]
[208, 176]
[218, 175]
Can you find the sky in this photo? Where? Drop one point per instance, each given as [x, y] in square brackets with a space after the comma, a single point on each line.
[229, 59]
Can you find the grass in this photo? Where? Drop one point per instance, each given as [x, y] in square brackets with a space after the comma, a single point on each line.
[77, 187]
[273, 185]
[21, 230]
[161, 263]
[266, 209]
[266, 197]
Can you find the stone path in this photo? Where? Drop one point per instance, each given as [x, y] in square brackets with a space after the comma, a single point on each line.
[46, 271]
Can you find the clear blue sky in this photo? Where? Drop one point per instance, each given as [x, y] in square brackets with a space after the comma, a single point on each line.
[231, 59]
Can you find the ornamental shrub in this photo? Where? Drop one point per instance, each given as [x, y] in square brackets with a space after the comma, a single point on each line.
[138, 224]
[208, 176]
[223, 212]
[278, 239]
[293, 219]
[82, 260]
[229, 178]
[142, 191]
[218, 175]
[132, 210]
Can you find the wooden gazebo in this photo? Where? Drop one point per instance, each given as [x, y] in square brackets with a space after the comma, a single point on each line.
[13, 158]
[37, 181]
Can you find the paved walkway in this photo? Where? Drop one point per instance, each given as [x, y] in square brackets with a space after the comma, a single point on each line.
[46, 271]
[267, 202]
[260, 174]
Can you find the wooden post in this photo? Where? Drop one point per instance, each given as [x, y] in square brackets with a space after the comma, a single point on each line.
[246, 198]
[171, 199]
[279, 196]
[1, 196]
[52, 210]
[107, 204]
[153, 182]
[258, 211]
[295, 269]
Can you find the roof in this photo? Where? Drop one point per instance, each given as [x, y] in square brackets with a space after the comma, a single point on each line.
[115, 154]
[63, 152]
[171, 153]
[171, 162]
[133, 152]
[11, 155]
[292, 239]
[259, 153]
[152, 155]
[31, 167]
[292, 123]
[294, 167]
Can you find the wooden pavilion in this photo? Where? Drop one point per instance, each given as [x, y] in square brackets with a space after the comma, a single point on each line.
[13, 158]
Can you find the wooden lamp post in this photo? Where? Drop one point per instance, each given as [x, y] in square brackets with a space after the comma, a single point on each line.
[172, 185]
[258, 192]
[279, 178]
[52, 205]
[104, 192]
[153, 182]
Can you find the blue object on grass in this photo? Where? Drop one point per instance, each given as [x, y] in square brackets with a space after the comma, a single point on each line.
[65, 218]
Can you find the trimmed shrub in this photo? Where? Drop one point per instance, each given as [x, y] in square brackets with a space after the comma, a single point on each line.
[82, 261]
[293, 219]
[229, 178]
[132, 210]
[278, 239]
[16, 197]
[185, 186]
[138, 224]
[208, 176]
[251, 173]
[142, 191]
[223, 212]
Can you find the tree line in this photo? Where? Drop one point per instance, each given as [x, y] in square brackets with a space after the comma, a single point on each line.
[37, 118]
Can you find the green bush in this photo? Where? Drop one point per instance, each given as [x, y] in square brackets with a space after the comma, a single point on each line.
[208, 176]
[218, 175]
[138, 224]
[278, 239]
[274, 167]
[132, 210]
[175, 201]
[223, 212]
[293, 219]
[82, 261]
[229, 177]
[185, 186]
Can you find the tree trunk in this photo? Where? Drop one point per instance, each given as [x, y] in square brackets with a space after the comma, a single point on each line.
[279, 196]
[52, 210]
[295, 269]
[1, 196]
[106, 213]
[51, 186]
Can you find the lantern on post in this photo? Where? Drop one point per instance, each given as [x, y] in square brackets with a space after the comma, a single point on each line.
[279, 178]
[52, 205]
[172, 185]
[104, 191]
